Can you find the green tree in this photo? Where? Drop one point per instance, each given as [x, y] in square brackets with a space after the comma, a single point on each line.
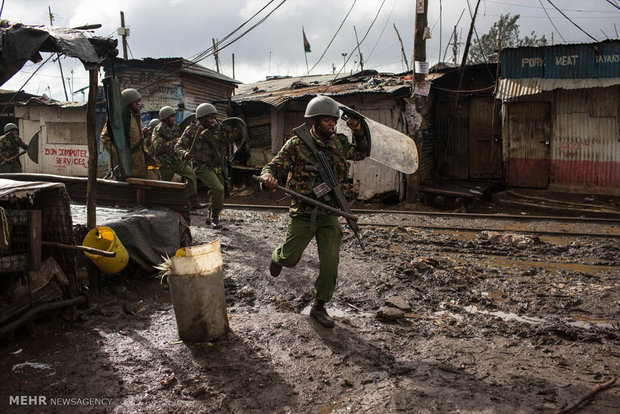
[486, 49]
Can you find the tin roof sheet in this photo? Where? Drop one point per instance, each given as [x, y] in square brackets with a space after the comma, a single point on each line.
[276, 92]
[513, 88]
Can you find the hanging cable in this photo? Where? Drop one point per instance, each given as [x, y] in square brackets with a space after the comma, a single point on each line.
[333, 37]
[208, 52]
[381, 34]
[551, 21]
[568, 18]
[353, 51]
[613, 4]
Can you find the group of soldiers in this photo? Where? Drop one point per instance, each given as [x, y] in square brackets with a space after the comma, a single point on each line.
[196, 154]
[205, 144]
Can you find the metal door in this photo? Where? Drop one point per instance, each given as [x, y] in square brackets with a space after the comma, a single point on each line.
[529, 137]
[485, 152]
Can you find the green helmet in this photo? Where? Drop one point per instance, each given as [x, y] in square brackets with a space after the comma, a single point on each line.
[9, 127]
[154, 122]
[166, 111]
[130, 96]
[322, 106]
[205, 109]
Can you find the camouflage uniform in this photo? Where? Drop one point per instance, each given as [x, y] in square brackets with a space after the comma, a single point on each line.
[161, 148]
[9, 147]
[205, 159]
[138, 153]
[306, 221]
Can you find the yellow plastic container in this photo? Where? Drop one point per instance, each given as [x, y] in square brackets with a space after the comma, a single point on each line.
[104, 238]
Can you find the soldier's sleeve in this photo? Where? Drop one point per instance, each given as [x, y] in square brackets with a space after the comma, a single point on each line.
[21, 143]
[158, 143]
[284, 159]
[185, 142]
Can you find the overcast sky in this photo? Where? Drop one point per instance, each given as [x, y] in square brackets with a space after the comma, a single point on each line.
[173, 28]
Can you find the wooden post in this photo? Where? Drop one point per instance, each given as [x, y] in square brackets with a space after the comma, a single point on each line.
[420, 67]
[359, 52]
[402, 48]
[216, 55]
[124, 35]
[91, 187]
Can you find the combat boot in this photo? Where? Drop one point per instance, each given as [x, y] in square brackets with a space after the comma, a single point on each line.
[215, 222]
[274, 269]
[319, 314]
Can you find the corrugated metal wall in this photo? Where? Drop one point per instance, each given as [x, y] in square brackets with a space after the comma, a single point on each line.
[585, 139]
[197, 90]
[585, 149]
[452, 130]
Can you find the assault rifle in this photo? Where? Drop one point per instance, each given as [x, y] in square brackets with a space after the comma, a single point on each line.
[330, 182]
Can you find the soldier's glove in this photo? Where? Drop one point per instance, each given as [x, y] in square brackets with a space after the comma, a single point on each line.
[187, 156]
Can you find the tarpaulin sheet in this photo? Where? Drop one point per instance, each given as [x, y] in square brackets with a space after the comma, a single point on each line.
[20, 43]
[147, 234]
[118, 125]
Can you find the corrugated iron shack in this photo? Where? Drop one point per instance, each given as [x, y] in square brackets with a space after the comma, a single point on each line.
[272, 108]
[467, 128]
[560, 117]
[175, 82]
[63, 149]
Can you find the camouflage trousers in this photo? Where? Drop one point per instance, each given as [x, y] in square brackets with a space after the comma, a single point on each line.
[166, 174]
[214, 180]
[302, 228]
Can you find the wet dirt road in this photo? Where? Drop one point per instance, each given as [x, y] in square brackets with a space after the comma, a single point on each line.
[428, 321]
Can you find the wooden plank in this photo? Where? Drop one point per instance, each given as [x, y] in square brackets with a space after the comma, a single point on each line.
[156, 183]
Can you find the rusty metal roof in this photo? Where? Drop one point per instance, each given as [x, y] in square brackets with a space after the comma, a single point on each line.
[508, 89]
[277, 92]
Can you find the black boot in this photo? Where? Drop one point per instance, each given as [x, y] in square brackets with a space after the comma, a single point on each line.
[215, 222]
[319, 314]
[275, 269]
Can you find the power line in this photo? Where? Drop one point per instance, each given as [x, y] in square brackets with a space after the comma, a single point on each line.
[208, 52]
[551, 21]
[353, 51]
[613, 4]
[381, 34]
[333, 37]
[536, 7]
[568, 18]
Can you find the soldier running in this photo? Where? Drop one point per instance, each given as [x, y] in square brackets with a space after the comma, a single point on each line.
[207, 145]
[294, 161]
[10, 143]
[165, 136]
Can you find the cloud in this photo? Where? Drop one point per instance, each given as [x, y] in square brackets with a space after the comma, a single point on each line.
[163, 28]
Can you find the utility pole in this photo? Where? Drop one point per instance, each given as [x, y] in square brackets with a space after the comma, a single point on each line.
[455, 47]
[233, 63]
[402, 48]
[123, 32]
[358, 49]
[216, 55]
[62, 75]
[418, 90]
[467, 44]
[344, 61]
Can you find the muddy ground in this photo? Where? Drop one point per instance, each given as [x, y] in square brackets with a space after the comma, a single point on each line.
[488, 323]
